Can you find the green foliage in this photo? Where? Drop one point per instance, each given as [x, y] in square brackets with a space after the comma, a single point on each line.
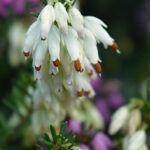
[15, 101]
[44, 2]
[148, 89]
[64, 140]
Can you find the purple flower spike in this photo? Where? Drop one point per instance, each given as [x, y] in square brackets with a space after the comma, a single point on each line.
[115, 101]
[104, 109]
[3, 11]
[19, 6]
[84, 147]
[102, 142]
[112, 86]
[74, 126]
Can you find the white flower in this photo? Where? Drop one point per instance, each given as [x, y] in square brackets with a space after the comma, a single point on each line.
[54, 45]
[96, 26]
[119, 119]
[76, 19]
[136, 141]
[73, 48]
[88, 114]
[134, 121]
[31, 36]
[39, 55]
[91, 51]
[16, 36]
[61, 17]
[47, 17]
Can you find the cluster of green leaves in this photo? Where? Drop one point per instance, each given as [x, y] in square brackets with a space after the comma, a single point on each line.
[64, 140]
[11, 105]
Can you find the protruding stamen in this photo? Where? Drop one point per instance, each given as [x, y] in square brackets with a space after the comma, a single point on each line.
[98, 68]
[26, 54]
[56, 62]
[115, 47]
[43, 38]
[77, 65]
[118, 51]
[80, 93]
[38, 68]
[90, 73]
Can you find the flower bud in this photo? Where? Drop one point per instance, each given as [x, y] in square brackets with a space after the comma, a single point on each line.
[134, 121]
[119, 119]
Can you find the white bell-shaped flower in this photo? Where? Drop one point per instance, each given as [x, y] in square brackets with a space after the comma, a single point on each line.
[39, 55]
[76, 19]
[73, 48]
[136, 141]
[119, 119]
[134, 121]
[31, 37]
[96, 26]
[90, 49]
[54, 45]
[61, 16]
[47, 17]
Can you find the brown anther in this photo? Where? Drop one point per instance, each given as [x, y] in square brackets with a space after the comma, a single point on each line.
[98, 67]
[38, 68]
[56, 62]
[80, 93]
[77, 65]
[86, 93]
[90, 73]
[114, 46]
[26, 54]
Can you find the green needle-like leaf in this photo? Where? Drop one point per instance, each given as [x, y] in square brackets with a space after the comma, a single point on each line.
[53, 132]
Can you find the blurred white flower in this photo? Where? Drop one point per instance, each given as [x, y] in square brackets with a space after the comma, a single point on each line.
[136, 141]
[88, 114]
[135, 121]
[119, 119]
[16, 39]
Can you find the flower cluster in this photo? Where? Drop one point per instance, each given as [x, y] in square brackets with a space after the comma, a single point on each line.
[18, 6]
[129, 119]
[64, 39]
